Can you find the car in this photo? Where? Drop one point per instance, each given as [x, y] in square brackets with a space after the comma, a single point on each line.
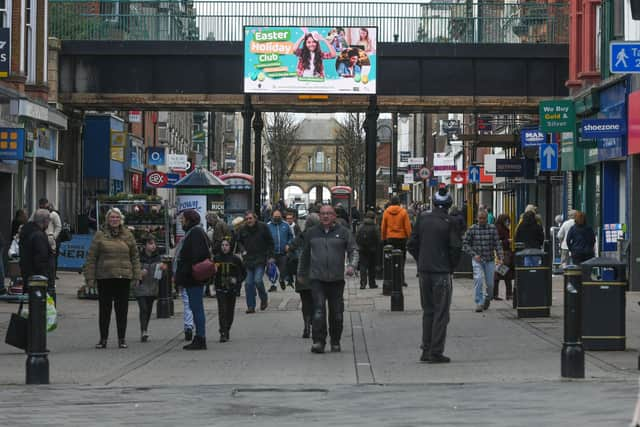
[301, 208]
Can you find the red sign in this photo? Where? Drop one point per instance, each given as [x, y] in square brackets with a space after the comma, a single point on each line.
[157, 179]
[424, 174]
[136, 183]
[484, 178]
[633, 126]
[458, 177]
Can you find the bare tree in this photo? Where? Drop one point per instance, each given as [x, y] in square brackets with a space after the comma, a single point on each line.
[351, 148]
[283, 151]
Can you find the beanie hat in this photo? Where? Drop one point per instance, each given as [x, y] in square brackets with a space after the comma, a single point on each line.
[442, 198]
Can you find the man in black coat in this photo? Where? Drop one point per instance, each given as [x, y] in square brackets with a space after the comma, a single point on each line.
[436, 245]
[36, 254]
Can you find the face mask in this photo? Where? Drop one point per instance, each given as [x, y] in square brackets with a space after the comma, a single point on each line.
[277, 220]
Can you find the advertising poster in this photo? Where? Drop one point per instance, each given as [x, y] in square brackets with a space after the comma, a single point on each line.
[199, 203]
[325, 60]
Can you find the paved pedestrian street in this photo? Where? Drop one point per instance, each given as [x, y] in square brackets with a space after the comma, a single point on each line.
[504, 371]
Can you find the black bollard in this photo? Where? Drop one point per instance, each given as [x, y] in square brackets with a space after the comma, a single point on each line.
[572, 362]
[37, 359]
[163, 309]
[397, 298]
[387, 270]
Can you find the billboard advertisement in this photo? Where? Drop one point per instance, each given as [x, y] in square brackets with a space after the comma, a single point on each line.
[322, 60]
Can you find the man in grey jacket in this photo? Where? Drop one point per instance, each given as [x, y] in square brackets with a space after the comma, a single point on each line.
[322, 261]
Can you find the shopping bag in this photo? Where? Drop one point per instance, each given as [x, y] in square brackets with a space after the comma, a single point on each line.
[18, 330]
[52, 314]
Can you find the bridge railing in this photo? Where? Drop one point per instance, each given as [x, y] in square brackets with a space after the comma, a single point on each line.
[451, 22]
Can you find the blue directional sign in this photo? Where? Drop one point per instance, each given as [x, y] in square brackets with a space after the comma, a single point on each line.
[548, 157]
[474, 174]
[624, 57]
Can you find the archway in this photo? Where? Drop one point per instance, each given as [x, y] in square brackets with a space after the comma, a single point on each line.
[294, 194]
[319, 192]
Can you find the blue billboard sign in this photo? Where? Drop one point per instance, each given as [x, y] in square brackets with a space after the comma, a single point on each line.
[11, 144]
[72, 254]
[603, 128]
[532, 137]
[155, 156]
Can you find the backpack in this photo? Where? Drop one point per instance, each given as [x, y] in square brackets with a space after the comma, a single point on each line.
[366, 237]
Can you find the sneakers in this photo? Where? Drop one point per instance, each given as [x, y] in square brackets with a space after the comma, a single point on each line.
[122, 343]
[283, 286]
[224, 336]
[439, 359]
[363, 286]
[198, 343]
[373, 286]
[144, 337]
[263, 305]
[102, 344]
[188, 334]
[335, 348]
[273, 288]
[479, 308]
[317, 347]
[487, 302]
[250, 310]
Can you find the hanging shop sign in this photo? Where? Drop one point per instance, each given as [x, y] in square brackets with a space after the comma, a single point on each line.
[11, 144]
[557, 116]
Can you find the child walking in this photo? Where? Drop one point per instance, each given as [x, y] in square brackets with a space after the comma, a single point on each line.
[229, 277]
[146, 290]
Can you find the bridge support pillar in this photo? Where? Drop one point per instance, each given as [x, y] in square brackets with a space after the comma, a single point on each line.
[371, 129]
[247, 114]
[258, 125]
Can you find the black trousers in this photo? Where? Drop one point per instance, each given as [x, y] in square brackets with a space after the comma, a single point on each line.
[402, 245]
[368, 267]
[226, 309]
[327, 293]
[435, 297]
[113, 292]
[145, 304]
[306, 297]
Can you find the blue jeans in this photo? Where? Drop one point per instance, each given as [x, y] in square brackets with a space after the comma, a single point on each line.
[482, 272]
[253, 282]
[196, 304]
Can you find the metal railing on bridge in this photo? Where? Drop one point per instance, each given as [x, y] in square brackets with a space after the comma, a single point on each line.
[443, 22]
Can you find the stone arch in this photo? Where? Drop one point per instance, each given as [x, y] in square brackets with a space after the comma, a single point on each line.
[326, 194]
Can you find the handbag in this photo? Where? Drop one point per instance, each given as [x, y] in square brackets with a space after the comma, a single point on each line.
[204, 270]
[17, 332]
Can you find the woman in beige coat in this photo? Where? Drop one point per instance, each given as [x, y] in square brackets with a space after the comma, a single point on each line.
[113, 261]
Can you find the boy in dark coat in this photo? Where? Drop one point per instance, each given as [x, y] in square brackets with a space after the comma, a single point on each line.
[368, 239]
[229, 277]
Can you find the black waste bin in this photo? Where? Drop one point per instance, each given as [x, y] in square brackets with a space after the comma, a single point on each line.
[533, 279]
[604, 288]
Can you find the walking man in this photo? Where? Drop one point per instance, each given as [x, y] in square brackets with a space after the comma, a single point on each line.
[36, 253]
[483, 244]
[436, 246]
[282, 237]
[257, 242]
[322, 262]
[396, 229]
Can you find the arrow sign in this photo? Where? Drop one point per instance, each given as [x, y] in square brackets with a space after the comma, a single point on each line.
[548, 157]
[459, 177]
[474, 174]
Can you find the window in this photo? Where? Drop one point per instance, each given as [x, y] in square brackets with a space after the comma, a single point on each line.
[30, 48]
[598, 49]
[310, 164]
[229, 122]
[618, 19]
[319, 161]
[4, 15]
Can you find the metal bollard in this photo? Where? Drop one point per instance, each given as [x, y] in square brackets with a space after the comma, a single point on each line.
[163, 309]
[387, 270]
[572, 361]
[37, 354]
[397, 298]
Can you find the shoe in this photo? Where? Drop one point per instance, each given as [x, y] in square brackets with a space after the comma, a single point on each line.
[317, 347]
[102, 344]
[363, 286]
[479, 308]
[144, 337]
[439, 359]
[263, 305]
[250, 310]
[224, 337]
[374, 286]
[198, 343]
[273, 288]
[283, 286]
[497, 299]
[122, 344]
[487, 303]
[188, 334]
[426, 356]
[335, 348]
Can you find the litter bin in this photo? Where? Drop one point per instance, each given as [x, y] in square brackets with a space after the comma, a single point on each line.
[604, 288]
[533, 276]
